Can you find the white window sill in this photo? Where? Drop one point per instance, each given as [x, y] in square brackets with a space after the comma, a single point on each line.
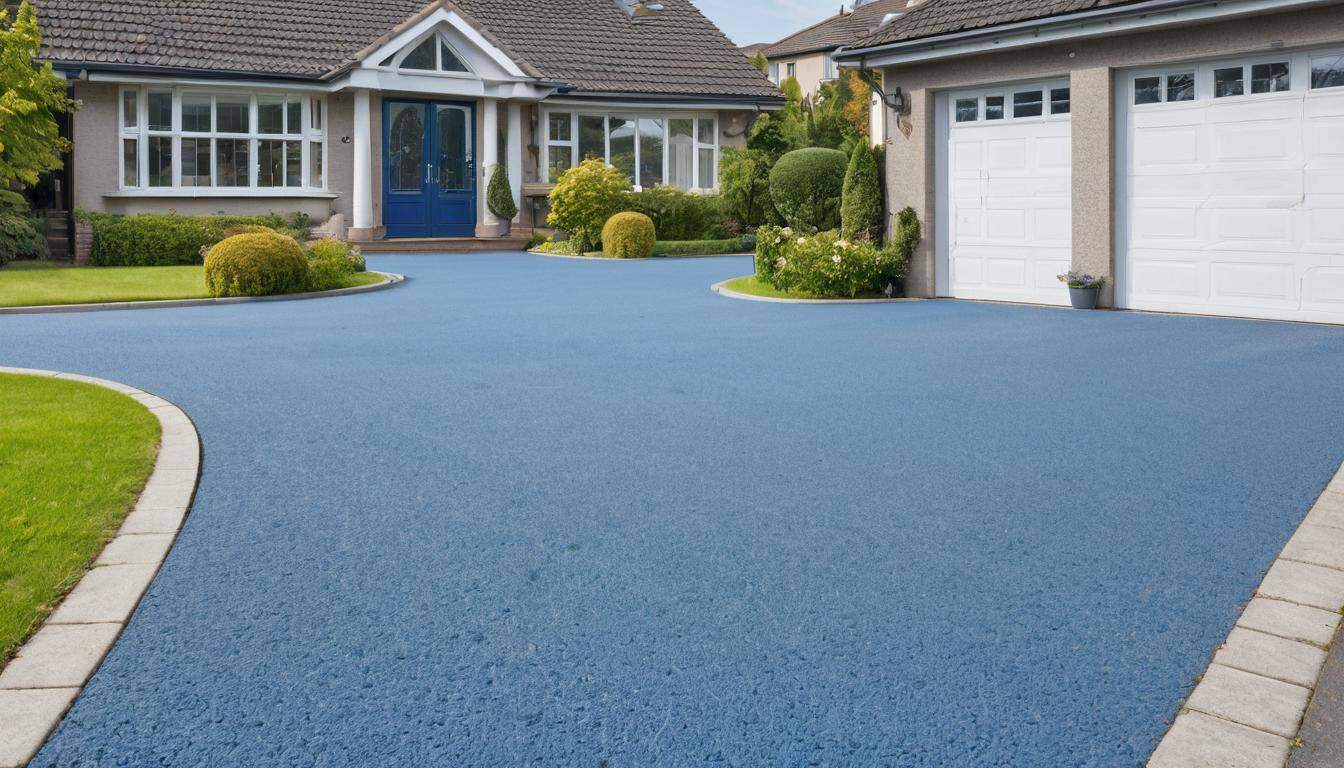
[203, 192]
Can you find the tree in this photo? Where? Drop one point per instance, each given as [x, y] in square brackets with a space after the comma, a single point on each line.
[30, 98]
[861, 200]
[760, 62]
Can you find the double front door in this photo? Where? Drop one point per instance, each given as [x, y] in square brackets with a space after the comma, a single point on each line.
[429, 179]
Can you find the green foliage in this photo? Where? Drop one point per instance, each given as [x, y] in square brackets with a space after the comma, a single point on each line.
[535, 241]
[744, 183]
[836, 117]
[760, 62]
[499, 195]
[700, 247]
[768, 134]
[259, 264]
[906, 235]
[30, 98]
[331, 264]
[824, 264]
[628, 235]
[21, 234]
[158, 239]
[805, 187]
[678, 215]
[584, 198]
[861, 201]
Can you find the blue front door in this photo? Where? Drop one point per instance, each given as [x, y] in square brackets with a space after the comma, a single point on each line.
[429, 178]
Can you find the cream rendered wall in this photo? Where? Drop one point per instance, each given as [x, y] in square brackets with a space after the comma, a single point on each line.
[810, 69]
[1089, 65]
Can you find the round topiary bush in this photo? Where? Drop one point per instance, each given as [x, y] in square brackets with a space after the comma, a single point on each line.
[255, 264]
[247, 229]
[806, 185]
[628, 235]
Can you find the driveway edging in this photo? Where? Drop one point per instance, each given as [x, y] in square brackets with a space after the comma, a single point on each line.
[722, 289]
[1249, 704]
[638, 258]
[391, 279]
[41, 682]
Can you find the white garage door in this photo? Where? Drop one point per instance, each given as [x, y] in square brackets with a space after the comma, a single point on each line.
[1008, 187]
[1233, 173]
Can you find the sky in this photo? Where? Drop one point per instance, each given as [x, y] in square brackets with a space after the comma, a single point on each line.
[765, 21]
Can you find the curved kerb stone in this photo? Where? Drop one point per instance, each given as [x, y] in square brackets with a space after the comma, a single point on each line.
[42, 681]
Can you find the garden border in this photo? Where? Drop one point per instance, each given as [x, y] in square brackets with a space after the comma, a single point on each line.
[720, 289]
[641, 258]
[391, 279]
[1251, 699]
[48, 672]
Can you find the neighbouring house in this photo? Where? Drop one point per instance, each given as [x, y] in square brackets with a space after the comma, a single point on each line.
[1193, 151]
[751, 50]
[384, 118]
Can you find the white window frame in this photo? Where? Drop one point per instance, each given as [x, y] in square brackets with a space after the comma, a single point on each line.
[633, 115]
[1320, 54]
[982, 95]
[395, 63]
[305, 133]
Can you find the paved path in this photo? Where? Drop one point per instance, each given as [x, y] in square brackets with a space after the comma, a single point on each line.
[528, 511]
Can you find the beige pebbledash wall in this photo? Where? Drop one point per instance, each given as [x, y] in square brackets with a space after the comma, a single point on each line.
[809, 70]
[1090, 66]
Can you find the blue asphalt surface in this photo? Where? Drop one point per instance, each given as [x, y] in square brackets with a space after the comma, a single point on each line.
[541, 512]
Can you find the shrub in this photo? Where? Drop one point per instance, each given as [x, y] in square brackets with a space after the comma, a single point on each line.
[158, 239]
[246, 229]
[744, 179]
[679, 215]
[906, 235]
[258, 264]
[861, 201]
[560, 247]
[700, 247]
[805, 186]
[21, 234]
[584, 198]
[628, 235]
[331, 263]
[499, 195]
[824, 264]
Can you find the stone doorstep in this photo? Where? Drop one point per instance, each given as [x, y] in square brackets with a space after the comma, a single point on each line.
[1197, 740]
[1251, 700]
[60, 656]
[29, 716]
[1290, 620]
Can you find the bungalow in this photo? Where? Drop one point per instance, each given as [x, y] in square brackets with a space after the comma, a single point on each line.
[385, 118]
[1193, 150]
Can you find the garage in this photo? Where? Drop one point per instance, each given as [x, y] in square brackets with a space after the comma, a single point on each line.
[1231, 175]
[1004, 154]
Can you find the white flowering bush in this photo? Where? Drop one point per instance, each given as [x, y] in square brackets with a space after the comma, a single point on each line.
[824, 264]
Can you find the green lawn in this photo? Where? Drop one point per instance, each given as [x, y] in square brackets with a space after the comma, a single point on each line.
[31, 283]
[751, 286]
[73, 459]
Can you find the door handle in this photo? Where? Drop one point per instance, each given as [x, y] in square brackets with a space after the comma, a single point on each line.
[429, 174]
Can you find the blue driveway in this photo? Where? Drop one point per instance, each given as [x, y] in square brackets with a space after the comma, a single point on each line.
[536, 512]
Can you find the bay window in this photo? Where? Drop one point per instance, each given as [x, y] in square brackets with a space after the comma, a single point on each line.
[671, 148]
[200, 139]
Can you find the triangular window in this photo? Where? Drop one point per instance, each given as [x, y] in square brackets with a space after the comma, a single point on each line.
[420, 58]
[448, 60]
[434, 54]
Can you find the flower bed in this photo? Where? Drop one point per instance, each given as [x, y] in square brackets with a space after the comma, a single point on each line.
[825, 264]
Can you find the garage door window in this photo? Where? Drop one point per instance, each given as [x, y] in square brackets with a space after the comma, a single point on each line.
[1059, 101]
[968, 110]
[1327, 71]
[1156, 89]
[1269, 78]
[1027, 104]
[1228, 82]
[1181, 87]
[993, 107]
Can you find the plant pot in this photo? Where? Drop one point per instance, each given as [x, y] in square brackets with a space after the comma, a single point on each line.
[1084, 298]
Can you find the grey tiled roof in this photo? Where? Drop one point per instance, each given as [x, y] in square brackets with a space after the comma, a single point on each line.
[941, 17]
[840, 29]
[589, 44]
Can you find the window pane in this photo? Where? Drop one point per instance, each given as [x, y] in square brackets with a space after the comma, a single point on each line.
[1059, 101]
[196, 112]
[1269, 78]
[317, 113]
[422, 57]
[968, 110]
[650, 151]
[448, 60]
[1181, 87]
[293, 163]
[708, 179]
[293, 116]
[560, 160]
[130, 109]
[130, 162]
[705, 126]
[231, 114]
[160, 161]
[454, 148]
[622, 133]
[681, 153]
[195, 162]
[559, 126]
[1228, 82]
[1027, 104]
[270, 114]
[271, 164]
[1327, 71]
[231, 162]
[592, 137]
[993, 107]
[406, 147]
[160, 111]
[1147, 90]
[315, 164]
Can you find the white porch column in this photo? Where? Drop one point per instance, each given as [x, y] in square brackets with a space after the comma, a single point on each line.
[361, 221]
[515, 154]
[489, 224]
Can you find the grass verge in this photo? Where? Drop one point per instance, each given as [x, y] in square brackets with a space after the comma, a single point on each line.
[38, 283]
[75, 457]
[751, 286]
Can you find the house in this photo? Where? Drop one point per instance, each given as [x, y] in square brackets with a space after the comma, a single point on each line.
[384, 118]
[1191, 150]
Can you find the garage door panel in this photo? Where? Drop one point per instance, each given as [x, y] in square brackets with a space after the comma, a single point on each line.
[1164, 146]
[1262, 284]
[1256, 140]
[1167, 279]
[1323, 289]
[1006, 224]
[966, 159]
[1266, 227]
[1006, 155]
[1176, 220]
[1053, 225]
[1054, 153]
[1325, 229]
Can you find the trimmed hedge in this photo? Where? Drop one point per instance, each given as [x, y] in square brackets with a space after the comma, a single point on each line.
[148, 240]
[628, 235]
[806, 186]
[499, 195]
[679, 215]
[700, 247]
[22, 235]
[258, 264]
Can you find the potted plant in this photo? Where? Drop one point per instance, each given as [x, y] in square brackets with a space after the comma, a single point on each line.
[499, 198]
[1083, 288]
